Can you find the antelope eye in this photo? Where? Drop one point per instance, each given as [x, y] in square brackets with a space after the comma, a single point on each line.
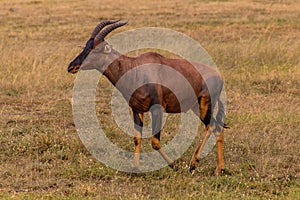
[107, 49]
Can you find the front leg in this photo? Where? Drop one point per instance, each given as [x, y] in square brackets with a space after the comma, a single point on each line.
[156, 128]
[138, 126]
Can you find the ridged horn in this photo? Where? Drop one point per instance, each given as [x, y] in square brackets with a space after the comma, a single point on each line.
[101, 25]
[100, 36]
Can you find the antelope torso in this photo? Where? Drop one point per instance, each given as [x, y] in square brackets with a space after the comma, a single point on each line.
[151, 78]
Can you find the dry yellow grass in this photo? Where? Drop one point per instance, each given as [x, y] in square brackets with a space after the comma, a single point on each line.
[256, 45]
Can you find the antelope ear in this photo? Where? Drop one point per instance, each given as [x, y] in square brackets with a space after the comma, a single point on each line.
[107, 49]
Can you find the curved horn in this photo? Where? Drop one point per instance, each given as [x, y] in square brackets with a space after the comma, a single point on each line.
[100, 37]
[101, 25]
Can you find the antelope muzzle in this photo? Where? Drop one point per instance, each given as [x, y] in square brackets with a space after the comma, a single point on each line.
[74, 66]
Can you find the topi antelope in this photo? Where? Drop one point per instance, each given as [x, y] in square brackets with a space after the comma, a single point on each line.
[207, 86]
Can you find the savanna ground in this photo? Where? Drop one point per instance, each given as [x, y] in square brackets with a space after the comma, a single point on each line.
[256, 46]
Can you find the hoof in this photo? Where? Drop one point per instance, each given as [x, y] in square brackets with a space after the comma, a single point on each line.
[220, 172]
[172, 165]
[223, 172]
[191, 169]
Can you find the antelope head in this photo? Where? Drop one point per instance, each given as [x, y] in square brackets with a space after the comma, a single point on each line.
[96, 45]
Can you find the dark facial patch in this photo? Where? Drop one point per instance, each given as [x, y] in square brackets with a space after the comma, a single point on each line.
[75, 64]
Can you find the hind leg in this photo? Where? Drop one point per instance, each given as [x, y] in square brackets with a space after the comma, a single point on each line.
[211, 126]
[204, 113]
[220, 163]
[196, 155]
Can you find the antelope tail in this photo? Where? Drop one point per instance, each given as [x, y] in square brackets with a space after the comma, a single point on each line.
[221, 114]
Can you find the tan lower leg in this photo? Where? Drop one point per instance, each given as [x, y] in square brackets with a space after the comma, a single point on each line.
[221, 164]
[156, 146]
[196, 155]
[137, 148]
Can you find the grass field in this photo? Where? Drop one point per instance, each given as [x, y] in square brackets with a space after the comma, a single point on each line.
[256, 46]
